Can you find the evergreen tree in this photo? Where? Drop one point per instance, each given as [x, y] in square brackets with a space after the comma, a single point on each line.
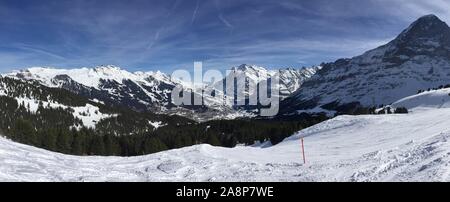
[213, 140]
[24, 132]
[77, 144]
[178, 142]
[111, 145]
[401, 110]
[388, 109]
[49, 139]
[97, 146]
[152, 145]
[63, 143]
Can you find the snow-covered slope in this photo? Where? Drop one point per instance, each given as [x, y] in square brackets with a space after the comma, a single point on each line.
[430, 99]
[417, 59]
[89, 115]
[36, 98]
[398, 147]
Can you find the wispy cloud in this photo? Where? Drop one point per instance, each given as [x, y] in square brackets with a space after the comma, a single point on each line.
[225, 21]
[194, 14]
[39, 51]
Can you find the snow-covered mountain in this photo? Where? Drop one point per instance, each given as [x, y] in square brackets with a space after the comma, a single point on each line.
[29, 97]
[394, 147]
[151, 91]
[290, 79]
[109, 84]
[419, 58]
[88, 113]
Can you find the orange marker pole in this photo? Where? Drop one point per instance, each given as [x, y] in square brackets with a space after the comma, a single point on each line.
[303, 152]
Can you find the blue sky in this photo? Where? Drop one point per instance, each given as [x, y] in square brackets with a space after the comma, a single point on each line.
[171, 34]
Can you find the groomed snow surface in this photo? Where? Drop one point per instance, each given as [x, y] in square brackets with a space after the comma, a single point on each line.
[397, 147]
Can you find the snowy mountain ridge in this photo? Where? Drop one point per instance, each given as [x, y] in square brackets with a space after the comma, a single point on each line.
[90, 77]
[417, 59]
[151, 90]
[290, 79]
[108, 84]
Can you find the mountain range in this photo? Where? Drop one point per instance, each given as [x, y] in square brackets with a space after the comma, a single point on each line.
[418, 58]
[151, 91]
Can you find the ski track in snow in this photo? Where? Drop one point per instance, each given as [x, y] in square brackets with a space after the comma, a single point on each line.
[409, 147]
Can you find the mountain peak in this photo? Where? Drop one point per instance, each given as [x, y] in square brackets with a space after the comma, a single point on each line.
[246, 67]
[430, 17]
[428, 26]
[107, 67]
[429, 21]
